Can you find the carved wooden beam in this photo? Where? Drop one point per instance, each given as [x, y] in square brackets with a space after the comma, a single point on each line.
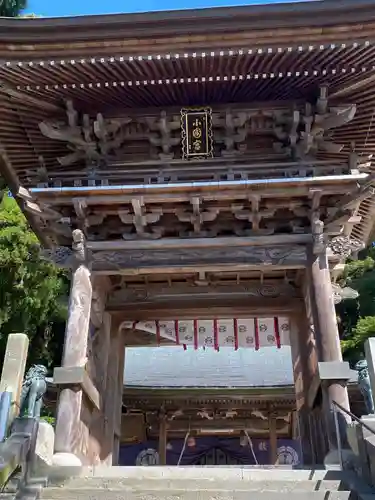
[255, 215]
[315, 195]
[234, 130]
[198, 216]
[339, 248]
[90, 140]
[319, 238]
[201, 243]
[140, 219]
[303, 133]
[269, 290]
[80, 207]
[280, 256]
[164, 128]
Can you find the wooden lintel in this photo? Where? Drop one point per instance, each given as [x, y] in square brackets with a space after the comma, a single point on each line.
[283, 305]
[77, 376]
[199, 243]
[208, 268]
[190, 310]
[191, 256]
[159, 294]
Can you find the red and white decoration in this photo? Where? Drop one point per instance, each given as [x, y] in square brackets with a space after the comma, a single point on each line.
[238, 332]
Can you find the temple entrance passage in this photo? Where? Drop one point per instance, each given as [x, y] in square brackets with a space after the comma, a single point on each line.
[197, 406]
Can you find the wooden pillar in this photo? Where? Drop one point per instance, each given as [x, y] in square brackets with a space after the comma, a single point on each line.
[111, 398]
[273, 438]
[119, 392]
[326, 330]
[98, 365]
[163, 438]
[327, 341]
[69, 434]
[304, 361]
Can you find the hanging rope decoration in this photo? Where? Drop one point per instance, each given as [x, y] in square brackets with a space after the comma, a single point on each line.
[277, 332]
[235, 333]
[195, 334]
[256, 334]
[216, 340]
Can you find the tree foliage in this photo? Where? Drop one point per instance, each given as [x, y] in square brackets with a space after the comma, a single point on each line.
[357, 317]
[11, 8]
[32, 291]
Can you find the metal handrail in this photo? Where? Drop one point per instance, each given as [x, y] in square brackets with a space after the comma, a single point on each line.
[336, 406]
[354, 417]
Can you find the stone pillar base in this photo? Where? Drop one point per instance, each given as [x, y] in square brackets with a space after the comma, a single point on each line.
[66, 460]
[64, 466]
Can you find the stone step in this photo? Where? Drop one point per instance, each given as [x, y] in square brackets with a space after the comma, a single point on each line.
[136, 485]
[251, 473]
[95, 494]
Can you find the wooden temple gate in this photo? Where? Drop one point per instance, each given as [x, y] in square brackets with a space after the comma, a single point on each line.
[213, 180]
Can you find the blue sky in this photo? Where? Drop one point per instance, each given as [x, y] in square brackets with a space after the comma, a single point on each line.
[55, 8]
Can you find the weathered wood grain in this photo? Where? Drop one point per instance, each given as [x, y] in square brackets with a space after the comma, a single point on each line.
[68, 436]
[110, 402]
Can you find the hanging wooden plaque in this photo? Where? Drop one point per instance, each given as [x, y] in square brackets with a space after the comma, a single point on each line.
[196, 130]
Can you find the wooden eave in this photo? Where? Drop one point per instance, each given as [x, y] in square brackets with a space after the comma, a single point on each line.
[105, 205]
[109, 201]
[281, 394]
[67, 35]
[274, 53]
[282, 187]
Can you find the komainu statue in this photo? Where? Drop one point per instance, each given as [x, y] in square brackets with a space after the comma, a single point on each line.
[365, 385]
[34, 387]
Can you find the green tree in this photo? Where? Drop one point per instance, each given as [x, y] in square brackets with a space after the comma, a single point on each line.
[32, 291]
[353, 346]
[11, 8]
[357, 317]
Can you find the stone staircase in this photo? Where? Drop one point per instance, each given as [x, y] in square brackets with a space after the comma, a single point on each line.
[207, 483]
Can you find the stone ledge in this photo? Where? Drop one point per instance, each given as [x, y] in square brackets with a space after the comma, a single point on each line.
[329, 371]
[335, 370]
[77, 376]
